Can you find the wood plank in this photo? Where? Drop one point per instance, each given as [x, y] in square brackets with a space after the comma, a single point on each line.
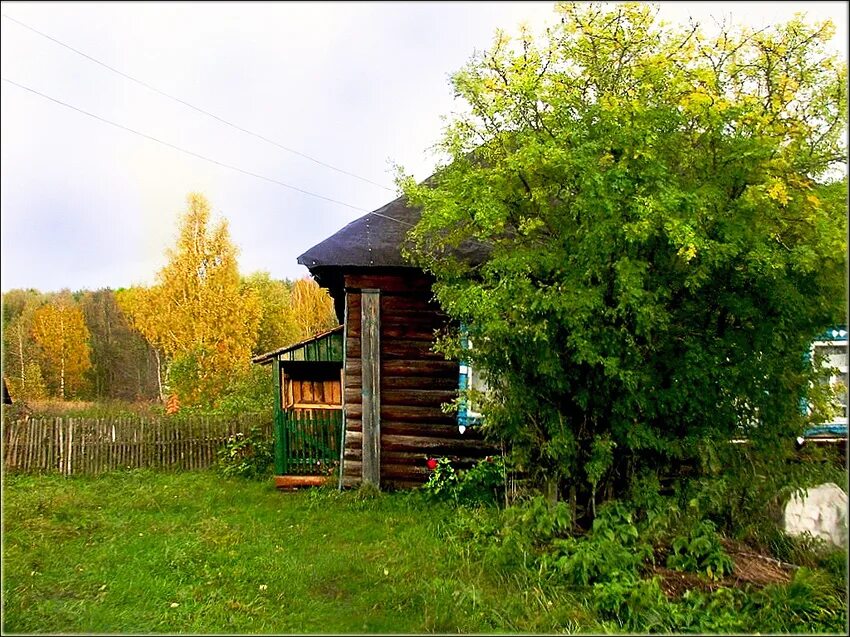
[404, 412]
[406, 330]
[420, 429]
[412, 397]
[331, 406]
[427, 368]
[413, 281]
[401, 347]
[348, 481]
[371, 394]
[353, 308]
[296, 482]
[410, 351]
[418, 397]
[433, 381]
[423, 317]
[399, 484]
[445, 382]
[418, 458]
[391, 303]
[472, 447]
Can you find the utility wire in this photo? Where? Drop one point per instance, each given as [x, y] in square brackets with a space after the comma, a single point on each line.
[200, 110]
[187, 152]
[213, 161]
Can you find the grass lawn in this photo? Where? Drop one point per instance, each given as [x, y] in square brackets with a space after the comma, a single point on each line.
[143, 552]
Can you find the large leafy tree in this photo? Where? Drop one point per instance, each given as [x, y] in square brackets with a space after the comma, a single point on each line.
[59, 329]
[665, 216]
[198, 315]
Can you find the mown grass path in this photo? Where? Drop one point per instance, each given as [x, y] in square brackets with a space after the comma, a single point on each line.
[141, 552]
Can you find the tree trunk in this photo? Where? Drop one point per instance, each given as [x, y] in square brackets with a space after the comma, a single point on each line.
[62, 358]
[158, 375]
[550, 491]
[62, 377]
[21, 355]
[573, 506]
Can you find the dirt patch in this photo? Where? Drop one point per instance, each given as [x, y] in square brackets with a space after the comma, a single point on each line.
[759, 570]
[750, 568]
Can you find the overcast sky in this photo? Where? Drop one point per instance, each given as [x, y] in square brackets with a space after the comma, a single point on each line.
[360, 86]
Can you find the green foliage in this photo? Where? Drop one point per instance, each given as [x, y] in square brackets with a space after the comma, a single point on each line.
[637, 606]
[249, 392]
[538, 520]
[724, 611]
[809, 603]
[443, 482]
[743, 489]
[483, 483]
[124, 365]
[247, 456]
[663, 218]
[613, 551]
[700, 551]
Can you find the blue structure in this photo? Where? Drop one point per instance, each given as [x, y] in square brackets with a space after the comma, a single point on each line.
[466, 416]
[832, 341]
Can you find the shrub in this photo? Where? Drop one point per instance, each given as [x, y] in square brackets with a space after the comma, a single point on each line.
[483, 483]
[635, 605]
[612, 551]
[700, 551]
[247, 456]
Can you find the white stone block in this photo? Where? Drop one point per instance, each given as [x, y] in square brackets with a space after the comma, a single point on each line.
[822, 513]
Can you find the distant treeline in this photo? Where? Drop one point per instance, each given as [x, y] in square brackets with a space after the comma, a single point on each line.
[83, 345]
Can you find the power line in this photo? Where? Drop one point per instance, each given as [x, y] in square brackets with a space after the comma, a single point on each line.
[183, 150]
[213, 161]
[192, 106]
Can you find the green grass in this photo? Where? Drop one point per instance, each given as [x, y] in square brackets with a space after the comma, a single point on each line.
[142, 552]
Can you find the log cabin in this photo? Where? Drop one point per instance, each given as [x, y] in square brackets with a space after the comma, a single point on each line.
[394, 385]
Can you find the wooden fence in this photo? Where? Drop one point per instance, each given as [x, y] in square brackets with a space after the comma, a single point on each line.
[75, 446]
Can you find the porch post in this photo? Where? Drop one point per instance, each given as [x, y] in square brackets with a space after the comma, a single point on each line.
[279, 452]
[370, 346]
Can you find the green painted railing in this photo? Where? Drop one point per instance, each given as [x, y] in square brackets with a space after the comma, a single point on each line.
[307, 441]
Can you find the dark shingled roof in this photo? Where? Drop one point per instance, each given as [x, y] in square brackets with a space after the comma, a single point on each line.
[371, 244]
[375, 240]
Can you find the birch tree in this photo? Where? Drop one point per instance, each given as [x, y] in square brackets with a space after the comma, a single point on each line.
[60, 331]
[198, 315]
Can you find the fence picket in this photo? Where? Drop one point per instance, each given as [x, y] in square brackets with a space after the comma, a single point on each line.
[91, 446]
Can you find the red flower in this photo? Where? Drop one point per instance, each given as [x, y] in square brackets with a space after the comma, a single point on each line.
[432, 463]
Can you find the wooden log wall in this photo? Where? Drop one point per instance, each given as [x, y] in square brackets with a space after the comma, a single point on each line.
[90, 446]
[415, 382]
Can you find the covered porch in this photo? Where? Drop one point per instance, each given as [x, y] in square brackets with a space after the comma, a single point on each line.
[308, 409]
